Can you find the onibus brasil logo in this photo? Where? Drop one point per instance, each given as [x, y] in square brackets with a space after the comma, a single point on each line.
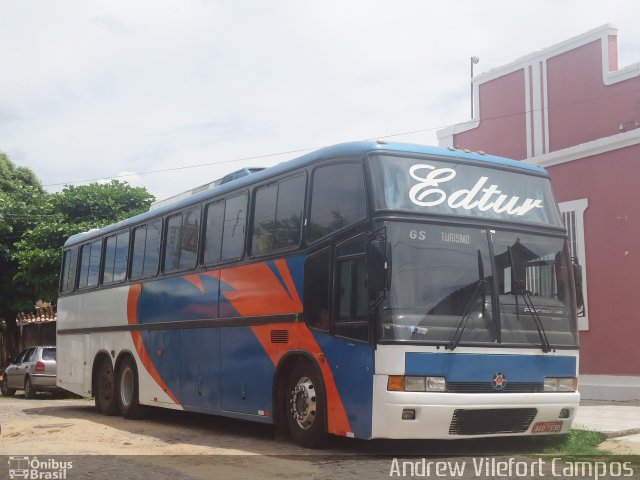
[33, 468]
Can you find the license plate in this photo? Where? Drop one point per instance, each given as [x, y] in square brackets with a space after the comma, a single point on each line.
[547, 427]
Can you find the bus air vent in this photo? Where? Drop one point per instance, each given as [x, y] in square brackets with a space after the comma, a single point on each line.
[279, 336]
[491, 421]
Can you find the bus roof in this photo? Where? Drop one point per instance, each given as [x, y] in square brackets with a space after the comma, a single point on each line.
[340, 150]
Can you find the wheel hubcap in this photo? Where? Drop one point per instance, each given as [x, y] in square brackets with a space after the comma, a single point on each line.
[303, 403]
[126, 387]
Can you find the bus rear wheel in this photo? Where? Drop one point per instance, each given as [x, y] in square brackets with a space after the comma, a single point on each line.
[306, 406]
[127, 391]
[105, 395]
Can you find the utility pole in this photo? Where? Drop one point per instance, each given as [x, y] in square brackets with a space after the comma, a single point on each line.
[474, 60]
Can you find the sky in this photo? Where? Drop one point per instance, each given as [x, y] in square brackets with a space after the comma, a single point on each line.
[195, 89]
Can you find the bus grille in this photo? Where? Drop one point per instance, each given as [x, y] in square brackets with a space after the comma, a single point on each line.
[491, 421]
[486, 387]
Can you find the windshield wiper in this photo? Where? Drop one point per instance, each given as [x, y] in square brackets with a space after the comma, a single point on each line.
[526, 296]
[466, 314]
[546, 346]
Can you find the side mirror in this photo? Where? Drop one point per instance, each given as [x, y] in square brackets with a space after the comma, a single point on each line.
[577, 279]
[377, 265]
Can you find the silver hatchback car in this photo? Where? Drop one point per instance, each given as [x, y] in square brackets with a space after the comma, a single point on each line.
[32, 371]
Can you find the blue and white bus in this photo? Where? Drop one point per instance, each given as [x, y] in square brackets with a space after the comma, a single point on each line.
[369, 290]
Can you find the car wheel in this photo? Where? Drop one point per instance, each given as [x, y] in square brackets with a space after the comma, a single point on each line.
[127, 391]
[29, 391]
[306, 406]
[106, 402]
[5, 390]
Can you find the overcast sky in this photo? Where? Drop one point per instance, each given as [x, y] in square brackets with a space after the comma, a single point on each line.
[94, 89]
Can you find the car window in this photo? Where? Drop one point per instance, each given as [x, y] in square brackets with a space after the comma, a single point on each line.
[31, 355]
[49, 354]
[21, 356]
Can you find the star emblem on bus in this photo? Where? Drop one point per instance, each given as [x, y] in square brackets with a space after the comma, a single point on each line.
[499, 381]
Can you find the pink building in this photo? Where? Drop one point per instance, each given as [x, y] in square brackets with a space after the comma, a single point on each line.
[570, 109]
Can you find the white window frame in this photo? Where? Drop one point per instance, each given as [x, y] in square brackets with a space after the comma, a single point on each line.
[578, 207]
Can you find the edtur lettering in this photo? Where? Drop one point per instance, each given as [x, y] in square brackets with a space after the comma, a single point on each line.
[427, 194]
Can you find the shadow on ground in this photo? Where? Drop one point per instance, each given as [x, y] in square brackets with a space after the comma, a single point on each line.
[171, 426]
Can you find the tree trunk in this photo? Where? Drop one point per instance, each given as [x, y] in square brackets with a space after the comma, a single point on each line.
[10, 343]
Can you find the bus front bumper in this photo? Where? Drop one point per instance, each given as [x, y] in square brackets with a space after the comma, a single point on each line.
[441, 415]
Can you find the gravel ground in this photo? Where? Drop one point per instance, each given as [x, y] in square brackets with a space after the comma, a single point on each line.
[170, 444]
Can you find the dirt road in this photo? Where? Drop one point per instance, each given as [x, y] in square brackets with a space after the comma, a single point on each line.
[181, 445]
[171, 444]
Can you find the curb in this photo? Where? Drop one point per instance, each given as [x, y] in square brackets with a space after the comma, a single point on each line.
[622, 433]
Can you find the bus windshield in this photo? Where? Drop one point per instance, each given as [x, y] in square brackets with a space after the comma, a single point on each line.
[498, 285]
[427, 186]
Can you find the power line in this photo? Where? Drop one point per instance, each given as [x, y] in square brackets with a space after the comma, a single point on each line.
[185, 167]
[300, 150]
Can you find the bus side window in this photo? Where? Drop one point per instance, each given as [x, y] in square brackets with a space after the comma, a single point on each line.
[137, 256]
[70, 262]
[289, 212]
[181, 246]
[115, 258]
[317, 278]
[264, 219]
[89, 264]
[172, 244]
[152, 249]
[337, 199]
[225, 229]
[146, 250]
[277, 217]
[213, 232]
[235, 218]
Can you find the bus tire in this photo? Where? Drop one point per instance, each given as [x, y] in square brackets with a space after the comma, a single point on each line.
[127, 391]
[29, 391]
[305, 406]
[105, 393]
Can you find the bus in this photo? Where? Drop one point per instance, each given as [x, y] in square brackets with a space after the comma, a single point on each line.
[367, 290]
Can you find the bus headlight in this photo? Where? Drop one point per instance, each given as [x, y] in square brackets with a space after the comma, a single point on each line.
[400, 383]
[560, 384]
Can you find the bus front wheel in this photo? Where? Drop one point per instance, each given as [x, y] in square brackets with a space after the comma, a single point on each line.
[306, 406]
[127, 391]
[105, 395]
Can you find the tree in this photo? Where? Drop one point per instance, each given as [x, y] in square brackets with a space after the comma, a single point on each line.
[35, 224]
[21, 197]
[76, 209]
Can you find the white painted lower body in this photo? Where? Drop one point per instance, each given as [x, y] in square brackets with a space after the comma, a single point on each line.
[434, 410]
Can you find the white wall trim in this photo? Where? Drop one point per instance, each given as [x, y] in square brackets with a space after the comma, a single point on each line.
[578, 207]
[535, 61]
[588, 149]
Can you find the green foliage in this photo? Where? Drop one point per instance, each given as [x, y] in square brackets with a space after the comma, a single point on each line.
[35, 224]
[20, 202]
[101, 203]
[578, 442]
[76, 209]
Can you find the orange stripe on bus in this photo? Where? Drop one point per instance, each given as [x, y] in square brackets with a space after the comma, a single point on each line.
[138, 342]
[257, 291]
[283, 268]
[195, 280]
[300, 337]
